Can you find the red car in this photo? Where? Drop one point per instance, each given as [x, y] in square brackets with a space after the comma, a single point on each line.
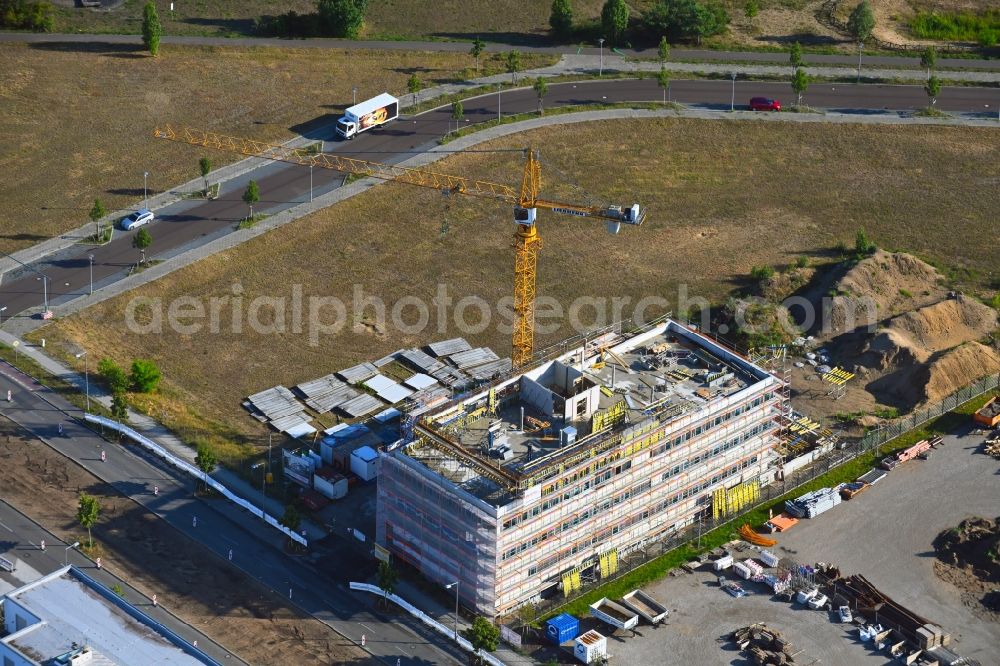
[764, 104]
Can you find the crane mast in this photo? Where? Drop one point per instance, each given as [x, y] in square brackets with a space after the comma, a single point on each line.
[526, 202]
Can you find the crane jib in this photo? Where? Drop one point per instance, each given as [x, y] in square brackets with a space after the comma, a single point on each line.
[570, 211]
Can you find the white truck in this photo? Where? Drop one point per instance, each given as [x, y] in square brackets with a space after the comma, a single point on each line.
[367, 115]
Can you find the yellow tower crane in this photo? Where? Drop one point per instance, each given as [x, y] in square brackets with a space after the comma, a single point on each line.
[526, 201]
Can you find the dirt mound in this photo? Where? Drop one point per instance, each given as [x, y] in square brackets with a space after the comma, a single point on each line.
[918, 335]
[878, 287]
[913, 383]
[969, 558]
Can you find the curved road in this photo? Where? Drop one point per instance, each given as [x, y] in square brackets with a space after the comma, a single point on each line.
[185, 224]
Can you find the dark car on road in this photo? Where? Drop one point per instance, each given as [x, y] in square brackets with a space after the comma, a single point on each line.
[764, 104]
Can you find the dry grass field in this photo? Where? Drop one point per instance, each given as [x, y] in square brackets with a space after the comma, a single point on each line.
[77, 119]
[722, 197]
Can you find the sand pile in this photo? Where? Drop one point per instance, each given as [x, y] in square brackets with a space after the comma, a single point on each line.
[880, 286]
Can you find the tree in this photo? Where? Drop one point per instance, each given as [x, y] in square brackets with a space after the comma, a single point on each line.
[141, 241]
[512, 60]
[795, 56]
[478, 46]
[342, 18]
[862, 245]
[119, 408]
[151, 28]
[663, 50]
[87, 513]
[751, 8]
[251, 195]
[614, 20]
[113, 376]
[457, 113]
[541, 88]
[96, 213]
[800, 82]
[205, 459]
[414, 85]
[663, 80]
[145, 376]
[205, 167]
[933, 89]
[386, 578]
[561, 18]
[928, 58]
[292, 518]
[483, 635]
[861, 22]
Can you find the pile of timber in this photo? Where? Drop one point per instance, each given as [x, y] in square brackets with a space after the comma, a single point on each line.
[766, 646]
[866, 598]
[992, 445]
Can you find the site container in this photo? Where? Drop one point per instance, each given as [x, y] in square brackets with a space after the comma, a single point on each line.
[563, 627]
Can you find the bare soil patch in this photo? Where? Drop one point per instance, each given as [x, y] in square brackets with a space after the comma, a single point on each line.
[969, 559]
[77, 119]
[136, 545]
[722, 197]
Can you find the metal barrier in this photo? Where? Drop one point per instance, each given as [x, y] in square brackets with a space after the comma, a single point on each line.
[7, 565]
[195, 472]
[427, 619]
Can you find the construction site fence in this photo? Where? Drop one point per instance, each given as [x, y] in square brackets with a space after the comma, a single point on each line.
[428, 620]
[185, 466]
[631, 559]
[888, 432]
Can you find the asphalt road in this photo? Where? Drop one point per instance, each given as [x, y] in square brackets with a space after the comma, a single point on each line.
[185, 224]
[535, 46]
[315, 583]
[20, 541]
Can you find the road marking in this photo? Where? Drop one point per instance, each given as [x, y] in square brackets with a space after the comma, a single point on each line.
[404, 651]
[7, 528]
[366, 627]
[235, 543]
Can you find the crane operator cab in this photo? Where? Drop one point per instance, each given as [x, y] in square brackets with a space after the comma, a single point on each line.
[632, 215]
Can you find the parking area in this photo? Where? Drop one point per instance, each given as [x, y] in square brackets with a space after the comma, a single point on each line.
[885, 534]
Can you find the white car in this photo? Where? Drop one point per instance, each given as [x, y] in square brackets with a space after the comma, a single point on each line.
[137, 219]
[845, 614]
[818, 602]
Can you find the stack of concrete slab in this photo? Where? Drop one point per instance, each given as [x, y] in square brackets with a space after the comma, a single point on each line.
[813, 503]
[279, 407]
[358, 373]
[326, 393]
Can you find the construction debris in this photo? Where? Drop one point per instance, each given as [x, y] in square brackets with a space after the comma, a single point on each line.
[765, 645]
[863, 596]
[991, 446]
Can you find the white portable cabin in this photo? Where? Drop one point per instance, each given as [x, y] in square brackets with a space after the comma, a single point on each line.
[590, 647]
[364, 463]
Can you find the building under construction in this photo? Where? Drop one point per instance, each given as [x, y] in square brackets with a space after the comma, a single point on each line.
[520, 490]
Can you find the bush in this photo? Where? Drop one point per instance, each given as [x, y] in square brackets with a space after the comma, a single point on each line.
[760, 273]
[113, 376]
[958, 26]
[289, 24]
[21, 15]
[145, 376]
[802, 262]
[863, 246]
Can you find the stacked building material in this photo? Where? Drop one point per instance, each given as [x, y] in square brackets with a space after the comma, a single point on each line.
[813, 503]
[864, 596]
[765, 645]
[769, 558]
[756, 570]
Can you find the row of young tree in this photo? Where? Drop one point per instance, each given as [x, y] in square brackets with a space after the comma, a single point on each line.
[678, 20]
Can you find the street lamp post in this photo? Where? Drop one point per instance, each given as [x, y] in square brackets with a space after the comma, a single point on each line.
[263, 493]
[45, 291]
[66, 552]
[86, 375]
[145, 195]
[1, 313]
[499, 86]
[600, 71]
[91, 275]
[732, 101]
[861, 46]
[310, 183]
[354, 95]
[448, 587]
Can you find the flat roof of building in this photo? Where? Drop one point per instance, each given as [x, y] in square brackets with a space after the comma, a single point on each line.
[669, 369]
[74, 614]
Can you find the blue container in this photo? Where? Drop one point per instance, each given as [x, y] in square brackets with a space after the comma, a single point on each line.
[562, 628]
